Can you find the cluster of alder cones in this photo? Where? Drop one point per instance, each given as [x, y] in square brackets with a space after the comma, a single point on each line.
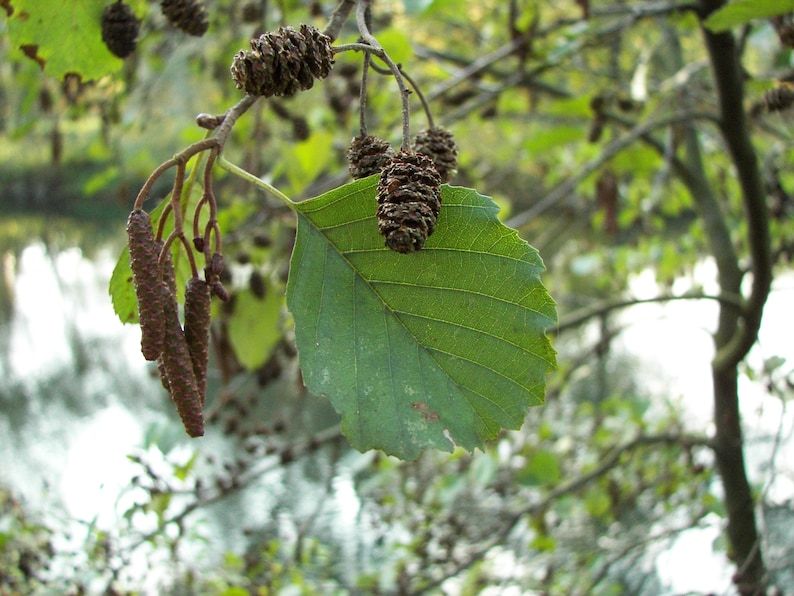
[409, 195]
[286, 61]
[120, 26]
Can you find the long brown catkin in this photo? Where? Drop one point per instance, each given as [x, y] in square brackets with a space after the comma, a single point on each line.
[197, 329]
[169, 279]
[144, 254]
[178, 369]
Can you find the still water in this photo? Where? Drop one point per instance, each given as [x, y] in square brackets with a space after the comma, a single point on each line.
[70, 378]
[77, 399]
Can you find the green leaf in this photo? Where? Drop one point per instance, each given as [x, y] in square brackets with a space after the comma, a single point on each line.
[414, 7]
[63, 36]
[437, 348]
[543, 543]
[122, 291]
[308, 159]
[596, 502]
[543, 469]
[398, 43]
[254, 326]
[744, 11]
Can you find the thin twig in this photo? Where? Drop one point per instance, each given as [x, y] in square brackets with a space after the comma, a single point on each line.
[368, 38]
[607, 463]
[362, 99]
[231, 117]
[415, 87]
[338, 18]
[295, 450]
[181, 157]
[582, 316]
[566, 188]
[258, 182]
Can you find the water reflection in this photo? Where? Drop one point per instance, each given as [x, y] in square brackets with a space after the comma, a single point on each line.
[68, 371]
[77, 398]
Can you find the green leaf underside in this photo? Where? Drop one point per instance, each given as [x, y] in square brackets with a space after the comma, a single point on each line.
[66, 34]
[442, 347]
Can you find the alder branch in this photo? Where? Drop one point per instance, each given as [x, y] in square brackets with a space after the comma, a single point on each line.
[656, 537]
[569, 185]
[338, 18]
[735, 131]
[583, 315]
[483, 63]
[282, 456]
[609, 462]
[370, 40]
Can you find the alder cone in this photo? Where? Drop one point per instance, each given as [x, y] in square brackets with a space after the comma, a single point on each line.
[367, 155]
[120, 29]
[284, 62]
[197, 330]
[439, 145]
[189, 16]
[409, 201]
[144, 257]
[779, 98]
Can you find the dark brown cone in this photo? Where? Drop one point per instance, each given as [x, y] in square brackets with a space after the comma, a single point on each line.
[120, 29]
[257, 285]
[319, 56]
[368, 155]
[284, 62]
[178, 368]
[189, 16]
[439, 144]
[144, 256]
[300, 128]
[409, 201]
[779, 98]
[197, 330]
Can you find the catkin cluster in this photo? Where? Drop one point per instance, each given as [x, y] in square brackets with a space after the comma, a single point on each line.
[181, 354]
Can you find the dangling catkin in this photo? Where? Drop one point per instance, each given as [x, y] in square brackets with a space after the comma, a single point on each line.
[178, 368]
[197, 330]
[144, 255]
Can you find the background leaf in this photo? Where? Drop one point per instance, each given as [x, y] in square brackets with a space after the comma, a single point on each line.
[254, 326]
[438, 348]
[744, 11]
[64, 36]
